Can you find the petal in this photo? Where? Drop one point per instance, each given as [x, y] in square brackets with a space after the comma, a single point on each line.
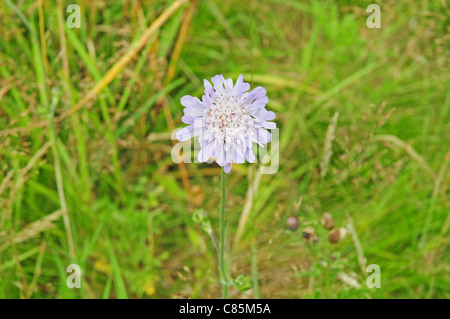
[193, 111]
[269, 125]
[256, 93]
[190, 101]
[264, 136]
[257, 104]
[238, 155]
[207, 100]
[203, 156]
[228, 84]
[229, 154]
[205, 151]
[263, 114]
[185, 133]
[220, 154]
[214, 148]
[218, 82]
[208, 88]
[240, 86]
[188, 119]
[250, 156]
[209, 148]
[227, 167]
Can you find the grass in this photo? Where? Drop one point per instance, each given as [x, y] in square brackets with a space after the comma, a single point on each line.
[85, 153]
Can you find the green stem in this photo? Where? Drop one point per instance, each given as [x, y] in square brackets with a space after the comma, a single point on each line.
[222, 271]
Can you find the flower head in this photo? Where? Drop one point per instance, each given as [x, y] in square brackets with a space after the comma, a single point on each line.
[228, 120]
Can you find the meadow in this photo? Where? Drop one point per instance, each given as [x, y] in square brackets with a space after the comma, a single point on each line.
[87, 117]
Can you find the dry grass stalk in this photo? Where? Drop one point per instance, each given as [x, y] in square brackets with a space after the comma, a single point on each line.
[251, 193]
[408, 149]
[359, 249]
[33, 229]
[349, 280]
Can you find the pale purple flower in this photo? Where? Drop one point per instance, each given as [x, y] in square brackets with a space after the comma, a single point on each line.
[227, 121]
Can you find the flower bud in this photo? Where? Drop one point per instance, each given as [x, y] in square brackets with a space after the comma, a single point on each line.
[310, 234]
[206, 226]
[327, 221]
[199, 216]
[292, 223]
[337, 234]
[243, 283]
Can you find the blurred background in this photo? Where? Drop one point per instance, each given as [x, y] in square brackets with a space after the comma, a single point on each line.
[86, 175]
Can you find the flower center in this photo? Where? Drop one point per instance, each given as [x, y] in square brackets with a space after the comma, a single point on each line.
[228, 121]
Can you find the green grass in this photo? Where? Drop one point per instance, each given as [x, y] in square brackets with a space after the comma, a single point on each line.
[129, 212]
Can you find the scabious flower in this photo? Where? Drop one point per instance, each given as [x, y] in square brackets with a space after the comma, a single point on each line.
[227, 121]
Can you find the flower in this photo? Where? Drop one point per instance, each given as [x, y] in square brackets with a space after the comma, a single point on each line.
[227, 121]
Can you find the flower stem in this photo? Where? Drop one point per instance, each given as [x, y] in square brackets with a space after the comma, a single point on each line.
[222, 270]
